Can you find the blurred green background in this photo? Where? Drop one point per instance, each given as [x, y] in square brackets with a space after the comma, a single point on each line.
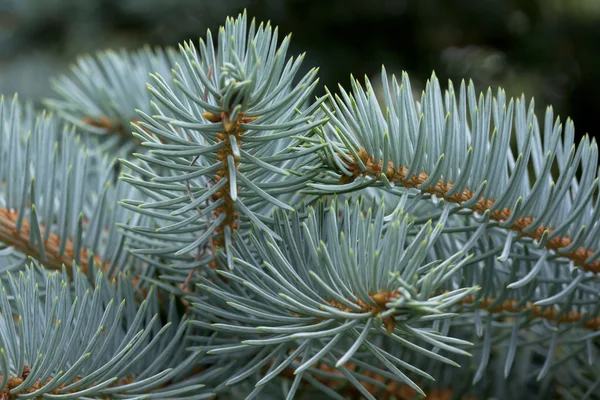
[549, 49]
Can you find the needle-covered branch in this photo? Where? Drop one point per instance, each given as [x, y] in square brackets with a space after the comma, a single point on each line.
[476, 153]
[57, 202]
[343, 290]
[221, 145]
[69, 340]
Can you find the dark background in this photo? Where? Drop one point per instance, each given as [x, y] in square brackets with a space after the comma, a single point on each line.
[549, 49]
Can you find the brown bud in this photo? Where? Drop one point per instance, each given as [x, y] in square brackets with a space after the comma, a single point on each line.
[380, 298]
[212, 117]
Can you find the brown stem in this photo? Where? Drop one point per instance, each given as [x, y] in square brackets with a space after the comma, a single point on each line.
[509, 305]
[53, 259]
[106, 123]
[230, 128]
[112, 125]
[393, 390]
[548, 313]
[441, 188]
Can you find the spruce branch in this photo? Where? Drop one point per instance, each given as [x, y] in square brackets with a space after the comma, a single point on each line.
[522, 283]
[260, 298]
[104, 90]
[68, 340]
[334, 286]
[457, 147]
[222, 145]
[57, 202]
[561, 245]
[50, 250]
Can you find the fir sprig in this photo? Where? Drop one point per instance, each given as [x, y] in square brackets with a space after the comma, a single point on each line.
[337, 287]
[458, 147]
[103, 92]
[57, 204]
[69, 340]
[225, 158]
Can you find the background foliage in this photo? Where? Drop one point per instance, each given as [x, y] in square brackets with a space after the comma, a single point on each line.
[544, 48]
